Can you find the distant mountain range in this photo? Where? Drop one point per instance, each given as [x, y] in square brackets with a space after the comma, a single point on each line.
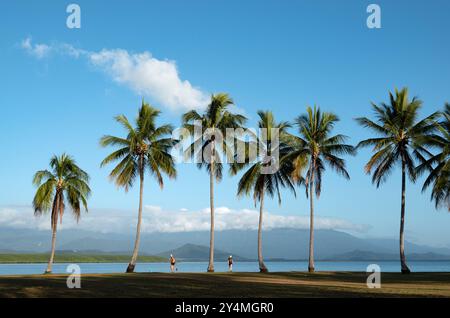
[192, 252]
[280, 244]
[373, 256]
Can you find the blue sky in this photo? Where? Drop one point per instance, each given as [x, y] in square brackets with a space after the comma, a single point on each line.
[267, 55]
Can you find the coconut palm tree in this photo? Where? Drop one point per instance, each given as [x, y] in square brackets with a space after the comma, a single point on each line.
[64, 183]
[206, 149]
[439, 175]
[401, 139]
[314, 148]
[260, 179]
[146, 147]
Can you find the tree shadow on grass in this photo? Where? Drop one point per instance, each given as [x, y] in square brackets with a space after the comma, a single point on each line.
[295, 284]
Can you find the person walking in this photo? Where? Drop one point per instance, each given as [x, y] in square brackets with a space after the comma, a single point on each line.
[230, 263]
[173, 261]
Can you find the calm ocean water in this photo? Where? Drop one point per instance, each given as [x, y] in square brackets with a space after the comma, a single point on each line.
[386, 266]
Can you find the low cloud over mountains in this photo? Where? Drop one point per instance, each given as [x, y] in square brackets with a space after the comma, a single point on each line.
[158, 219]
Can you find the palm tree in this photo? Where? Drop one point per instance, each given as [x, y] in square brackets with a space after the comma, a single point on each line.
[257, 179]
[313, 148]
[401, 138]
[213, 122]
[439, 176]
[146, 147]
[64, 183]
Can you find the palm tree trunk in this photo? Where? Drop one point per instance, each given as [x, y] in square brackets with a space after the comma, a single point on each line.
[211, 203]
[404, 267]
[52, 253]
[262, 267]
[132, 264]
[311, 220]
[55, 211]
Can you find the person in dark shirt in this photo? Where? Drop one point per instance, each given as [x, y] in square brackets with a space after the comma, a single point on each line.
[173, 261]
[230, 263]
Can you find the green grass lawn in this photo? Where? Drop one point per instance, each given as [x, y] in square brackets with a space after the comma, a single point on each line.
[75, 258]
[295, 284]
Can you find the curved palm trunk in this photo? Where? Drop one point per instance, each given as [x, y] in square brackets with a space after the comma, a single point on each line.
[404, 267]
[311, 221]
[52, 254]
[262, 267]
[132, 264]
[55, 211]
[211, 203]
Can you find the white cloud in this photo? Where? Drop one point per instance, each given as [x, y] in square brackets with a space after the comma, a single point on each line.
[141, 72]
[157, 219]
[70, 50]
[37, 50]
[149, 76]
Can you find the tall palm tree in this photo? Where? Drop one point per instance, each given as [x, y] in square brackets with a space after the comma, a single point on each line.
[314, 148]
[401, 139]
[64, 183]
[439, 176]
[259, 179]
[146, 147]
[215, 120]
